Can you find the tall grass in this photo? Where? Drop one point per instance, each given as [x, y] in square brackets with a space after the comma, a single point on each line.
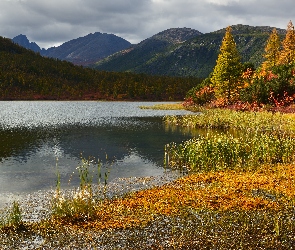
[223, 151]
[240, 194]
[210, 210]
[263, 138]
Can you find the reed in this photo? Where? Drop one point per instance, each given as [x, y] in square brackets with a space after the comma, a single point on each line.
[224, 151]
[240, 193]
[15, 216]
[227, 209]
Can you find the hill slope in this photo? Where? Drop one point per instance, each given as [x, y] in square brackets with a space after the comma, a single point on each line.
[194, 57]
[143, 57]
[27, 75]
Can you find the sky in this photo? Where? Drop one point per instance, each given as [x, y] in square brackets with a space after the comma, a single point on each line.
[53, 22]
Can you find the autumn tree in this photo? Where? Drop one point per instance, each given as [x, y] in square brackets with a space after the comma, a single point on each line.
[272, 50]
[226, 73]
[287, 55]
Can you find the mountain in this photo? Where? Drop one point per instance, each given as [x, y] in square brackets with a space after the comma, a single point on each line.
[81, 51]
[174, 52]
[174, 35]
[88, 49]
[193, 55]
[23, 41]
[144, 57]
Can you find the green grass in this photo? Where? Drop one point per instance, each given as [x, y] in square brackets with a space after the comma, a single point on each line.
[81, 205]
[252, 139]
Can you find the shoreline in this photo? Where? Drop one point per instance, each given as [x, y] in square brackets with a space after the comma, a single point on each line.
[35, 206]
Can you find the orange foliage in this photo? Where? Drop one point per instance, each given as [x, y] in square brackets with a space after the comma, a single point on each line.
[248, 74]
[281, 101]
[225, 190]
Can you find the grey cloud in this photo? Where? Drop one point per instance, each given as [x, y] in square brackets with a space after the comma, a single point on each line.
[53, 22]
[75, 18]
[258, 13]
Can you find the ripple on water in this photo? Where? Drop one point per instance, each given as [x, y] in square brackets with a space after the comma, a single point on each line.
[32, 114]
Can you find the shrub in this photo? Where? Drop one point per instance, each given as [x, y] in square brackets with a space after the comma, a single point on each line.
[201, 94]
[275, 86]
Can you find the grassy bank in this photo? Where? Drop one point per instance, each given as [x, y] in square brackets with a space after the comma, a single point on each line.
[230, 119]
[239, 194]
[167, 106]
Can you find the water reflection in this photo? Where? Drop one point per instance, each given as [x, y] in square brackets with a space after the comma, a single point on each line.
[33, 145]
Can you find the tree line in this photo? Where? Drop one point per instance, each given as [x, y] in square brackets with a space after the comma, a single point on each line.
[27, 75]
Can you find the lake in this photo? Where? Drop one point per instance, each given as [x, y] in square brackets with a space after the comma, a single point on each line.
[39, 138]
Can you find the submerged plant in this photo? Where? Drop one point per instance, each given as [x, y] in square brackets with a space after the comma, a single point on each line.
[86, 179]
[57, 177]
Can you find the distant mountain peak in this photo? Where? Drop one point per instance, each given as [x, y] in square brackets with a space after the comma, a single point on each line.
[88, 49]
[23, 41]
[177, 35]
[81, 51]
[242, 28]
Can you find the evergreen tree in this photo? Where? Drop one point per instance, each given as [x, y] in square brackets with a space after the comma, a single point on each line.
[226, 73]
[272, 50]
[287, 55]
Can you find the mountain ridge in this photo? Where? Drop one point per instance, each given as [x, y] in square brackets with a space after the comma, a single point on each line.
[82, 50]
[96, 46]
[194, 57]
[173, 52]
[145, 51]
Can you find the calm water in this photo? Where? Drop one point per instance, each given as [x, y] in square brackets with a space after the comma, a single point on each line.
[35, 137]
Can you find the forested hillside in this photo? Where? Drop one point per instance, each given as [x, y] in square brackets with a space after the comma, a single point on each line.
[27, 75]
[194, 57]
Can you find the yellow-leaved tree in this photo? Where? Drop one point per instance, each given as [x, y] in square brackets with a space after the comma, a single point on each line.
[228, 69]
[287, 55]
[272, 50]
